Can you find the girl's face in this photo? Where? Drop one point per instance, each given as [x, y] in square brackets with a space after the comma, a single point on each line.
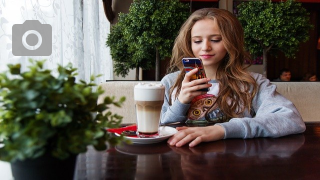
[206, 42]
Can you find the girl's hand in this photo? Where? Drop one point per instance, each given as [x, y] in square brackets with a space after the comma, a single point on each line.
[196, 135]
[190, 89]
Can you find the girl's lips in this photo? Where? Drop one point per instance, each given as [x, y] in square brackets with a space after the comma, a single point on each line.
[206, 56]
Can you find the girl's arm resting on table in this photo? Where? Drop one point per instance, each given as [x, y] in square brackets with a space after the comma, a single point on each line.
[276, 116]
[272, 122]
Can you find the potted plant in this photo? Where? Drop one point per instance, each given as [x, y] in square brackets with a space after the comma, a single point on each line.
[272, 27]
[50, 119]
[145, 35]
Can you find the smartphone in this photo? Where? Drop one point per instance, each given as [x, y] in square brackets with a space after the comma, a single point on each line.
[191, 63]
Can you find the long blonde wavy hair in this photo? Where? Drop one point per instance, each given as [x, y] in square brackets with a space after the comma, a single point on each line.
[237, 86]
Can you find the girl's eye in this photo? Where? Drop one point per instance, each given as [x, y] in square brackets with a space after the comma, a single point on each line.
[216, 40]
[197, 42]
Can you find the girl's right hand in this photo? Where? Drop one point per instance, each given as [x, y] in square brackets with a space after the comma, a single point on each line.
[196, 135]
[190, 88]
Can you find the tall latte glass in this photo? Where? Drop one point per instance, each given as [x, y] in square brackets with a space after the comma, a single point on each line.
[148, 101]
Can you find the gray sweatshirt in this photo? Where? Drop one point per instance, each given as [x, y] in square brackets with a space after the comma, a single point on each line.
[275, 115]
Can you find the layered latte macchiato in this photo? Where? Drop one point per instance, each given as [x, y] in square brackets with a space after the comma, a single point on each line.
[148, 100]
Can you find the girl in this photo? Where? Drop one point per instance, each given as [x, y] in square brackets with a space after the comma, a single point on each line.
[239, 103]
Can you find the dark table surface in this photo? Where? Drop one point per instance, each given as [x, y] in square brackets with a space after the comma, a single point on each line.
[290, 157]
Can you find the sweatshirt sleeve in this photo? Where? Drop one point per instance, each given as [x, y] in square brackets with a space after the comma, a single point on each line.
[177, 111]
[275, 116]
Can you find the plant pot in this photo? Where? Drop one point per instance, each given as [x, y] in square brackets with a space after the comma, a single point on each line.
[44, 167]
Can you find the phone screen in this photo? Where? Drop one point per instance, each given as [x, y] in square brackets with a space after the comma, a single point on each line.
[192, 63]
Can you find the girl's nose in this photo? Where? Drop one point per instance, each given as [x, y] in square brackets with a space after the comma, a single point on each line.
[206, 46]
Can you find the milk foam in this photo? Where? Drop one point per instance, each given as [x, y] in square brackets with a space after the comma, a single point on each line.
[149, 92]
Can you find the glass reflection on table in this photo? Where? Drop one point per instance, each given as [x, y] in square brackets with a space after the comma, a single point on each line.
[205, 161]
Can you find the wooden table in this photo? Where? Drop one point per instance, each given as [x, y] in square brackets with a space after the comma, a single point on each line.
[290, 157]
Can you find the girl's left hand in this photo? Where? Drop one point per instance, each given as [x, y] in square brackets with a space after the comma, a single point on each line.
[196, 135]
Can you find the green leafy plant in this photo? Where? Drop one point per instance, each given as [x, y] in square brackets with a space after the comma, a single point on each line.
[273, 27]
[146, 34]
[41, 113]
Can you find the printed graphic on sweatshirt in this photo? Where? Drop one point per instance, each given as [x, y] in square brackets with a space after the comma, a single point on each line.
[203, 110]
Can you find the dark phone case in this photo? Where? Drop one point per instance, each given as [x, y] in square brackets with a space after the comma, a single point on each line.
[191, 63]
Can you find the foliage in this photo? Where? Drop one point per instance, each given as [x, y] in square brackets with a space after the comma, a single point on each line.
[150, 26]
[274, 27]
[41, 113]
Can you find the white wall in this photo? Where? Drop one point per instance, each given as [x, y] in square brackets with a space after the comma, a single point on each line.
[5, 171]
